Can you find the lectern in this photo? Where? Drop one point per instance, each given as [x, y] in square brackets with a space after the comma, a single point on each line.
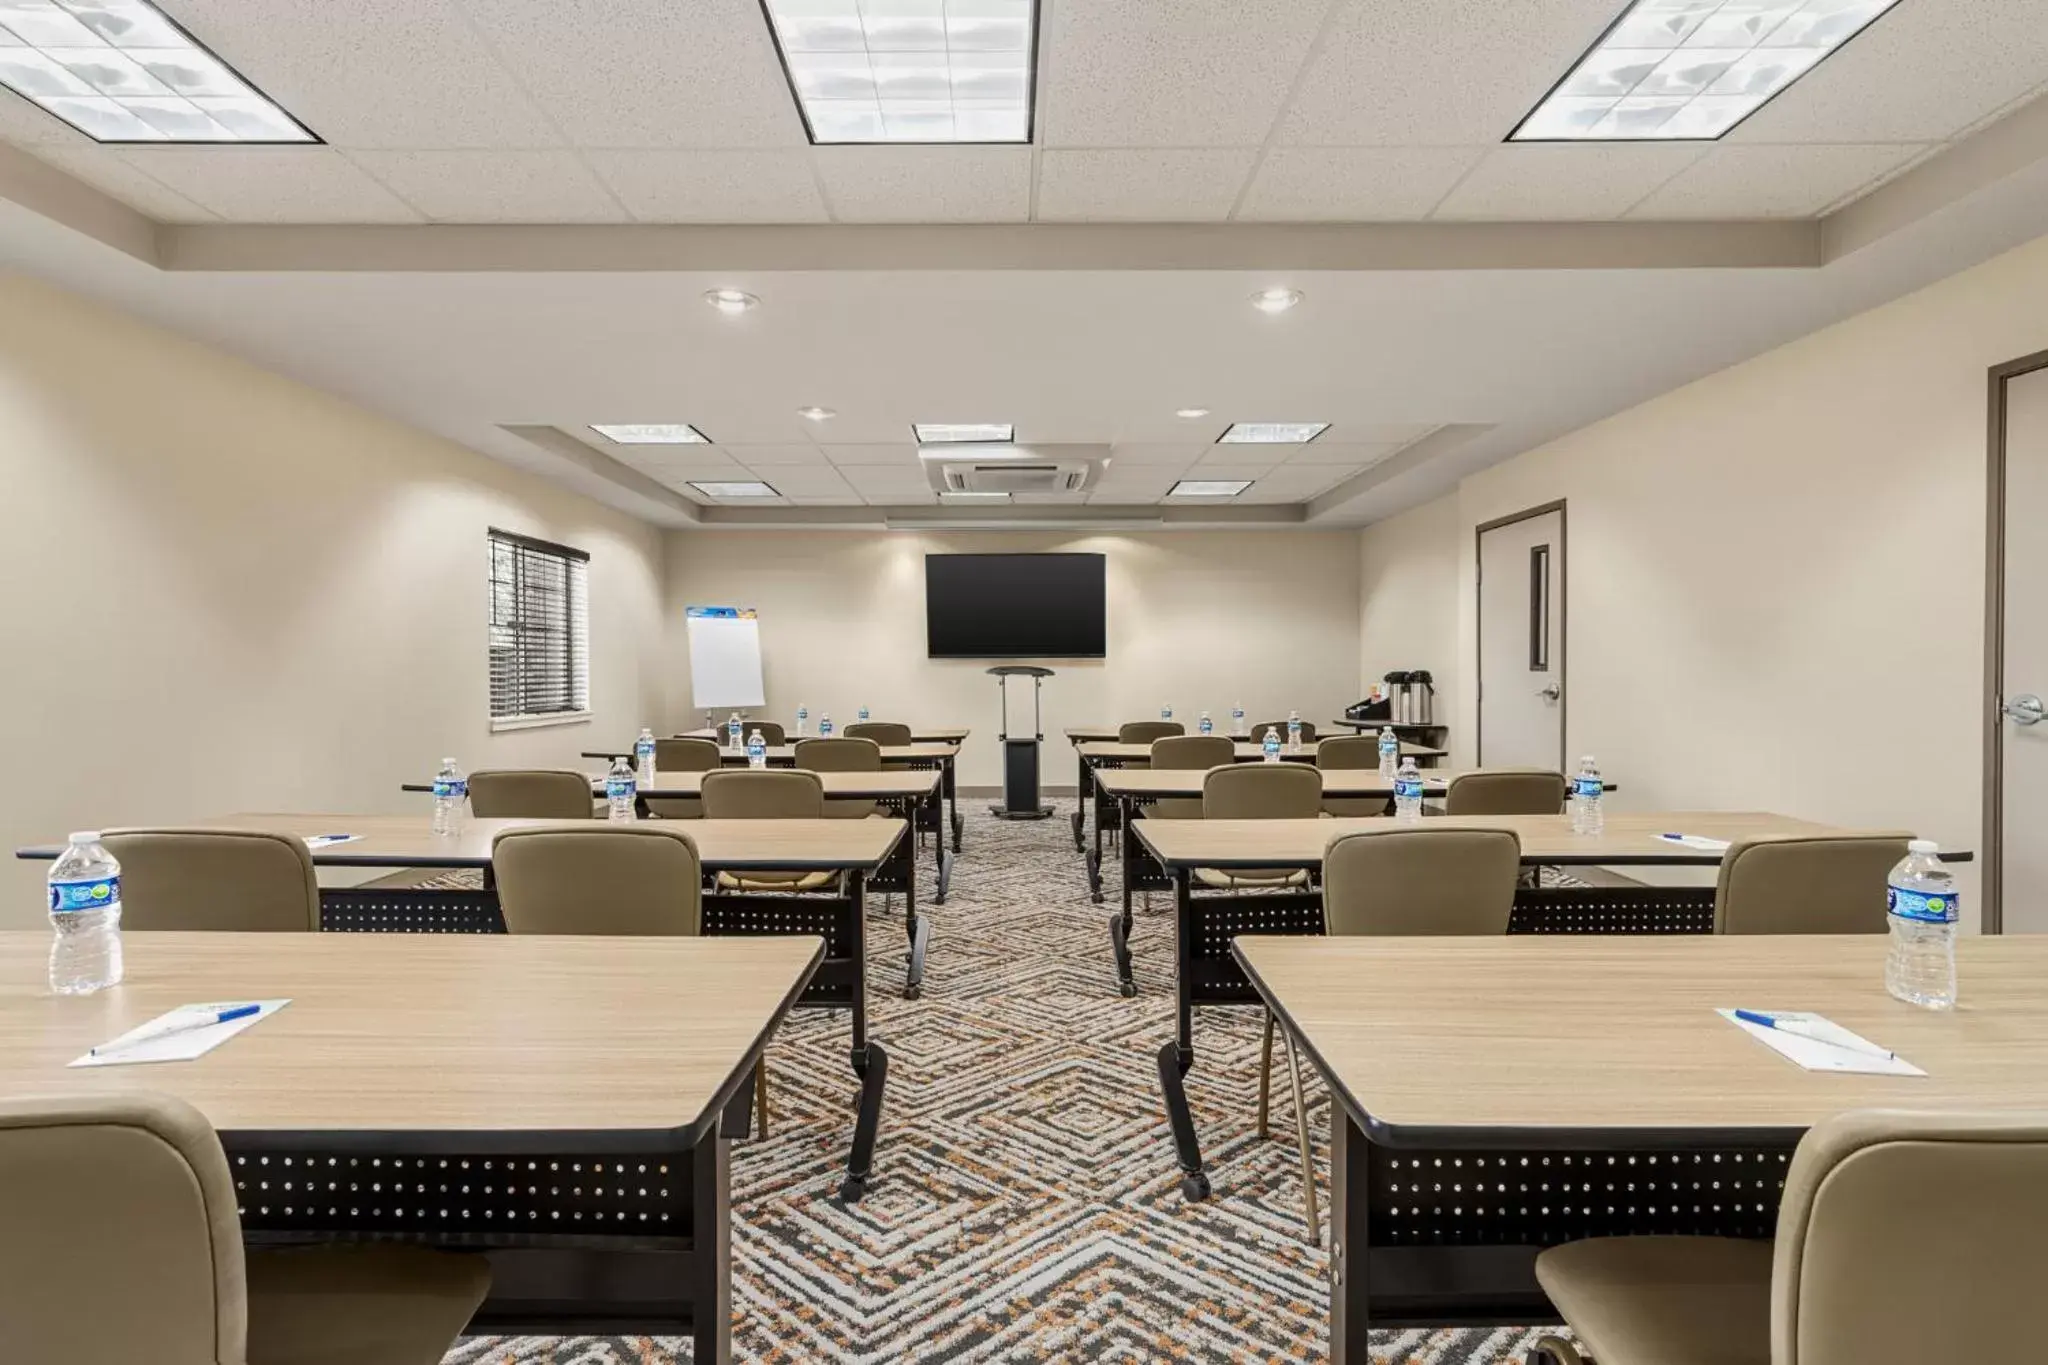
[1020, 755]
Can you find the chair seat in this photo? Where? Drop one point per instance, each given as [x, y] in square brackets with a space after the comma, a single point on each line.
[1243, 878]
[1175, 808]
[1664, 1300]
[675, 808]
[769, 880]
[343, 1305]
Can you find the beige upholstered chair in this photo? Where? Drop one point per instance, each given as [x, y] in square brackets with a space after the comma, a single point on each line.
[215, 879]
[766, 794]
[850, 754]
[1350, 753]
[531, 794]
[1308, 730]
[120, 1243]
[1259, 791]
[772, 733]
[1186, 753]
[683, 755]
[1902, 1237]
[1145, 731]
[1824, 885]
[1505, 791]
[599, 878]
[887, 733]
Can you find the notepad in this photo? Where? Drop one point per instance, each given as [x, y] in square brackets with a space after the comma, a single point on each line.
[1698, 841]
[330, 840]
[178, 1047]
[1817, 1054]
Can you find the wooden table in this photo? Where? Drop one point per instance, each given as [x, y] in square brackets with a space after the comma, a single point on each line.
[413, 1090]
[1495, 1096]
[855, 848]
[1205, 925]
[919, 734]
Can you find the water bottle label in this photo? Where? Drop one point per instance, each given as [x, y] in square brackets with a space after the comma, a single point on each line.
[1207, 725]
[644, 748]
[1408, 789]
[445, 787]
[1918, 905]
[66, 897]
[1588, 787]
[616, 787]
[824, 727]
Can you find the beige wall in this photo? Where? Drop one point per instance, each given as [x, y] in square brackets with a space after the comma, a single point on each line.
[1772, 566]
[1408, 598]
[228, 591]
[1200, 619]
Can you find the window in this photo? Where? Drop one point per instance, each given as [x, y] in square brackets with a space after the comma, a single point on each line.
[540, 632]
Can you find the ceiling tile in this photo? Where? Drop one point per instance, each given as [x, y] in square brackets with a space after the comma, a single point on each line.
[883, 478]
[1175, 456]
[629, 73]
[900, 453]
[494, 187]
[1142, 186]
[778, 456]
[1230, 462]
[104, 170]
[1354, 184]
[25, 125]
[373, 73]
[273, 184]
[926, 184]
[1462, 74]
[800, 481]
[1328, 452]
[849, 499]
[1583, 184]
[713, 186]
[1193, 73]
[1736, 181]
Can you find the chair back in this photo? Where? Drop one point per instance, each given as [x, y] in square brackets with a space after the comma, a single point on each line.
[1308, 730]
[599, 878]
[1421, 881]
[1911, 1237]
[684, 755]
[1145, 731]
[887, 733]
[1262, 791]
[763, 794]
[1823, 885]
[1345, 753]
[215, 879]
[772, 733]
[1505, 791]
[1183, 753]
[532, 794]
[120, 1240]
[848, 755]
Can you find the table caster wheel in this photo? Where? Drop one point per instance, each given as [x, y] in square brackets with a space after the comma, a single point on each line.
[912, 992]
[1194, 1188]
[852, 1188]
[1128, 989]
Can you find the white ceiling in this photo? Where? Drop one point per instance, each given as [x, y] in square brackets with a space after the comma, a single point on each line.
[617, 111]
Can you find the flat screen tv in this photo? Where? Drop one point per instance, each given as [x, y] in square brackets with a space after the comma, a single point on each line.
[1014, 607]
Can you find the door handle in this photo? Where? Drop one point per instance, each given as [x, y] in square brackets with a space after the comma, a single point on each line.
[1553, 692]
[2025, 709]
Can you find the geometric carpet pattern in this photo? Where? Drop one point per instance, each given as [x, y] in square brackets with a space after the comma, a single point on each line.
[1024, 1203]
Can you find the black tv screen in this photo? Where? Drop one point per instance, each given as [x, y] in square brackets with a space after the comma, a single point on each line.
[1014, 607]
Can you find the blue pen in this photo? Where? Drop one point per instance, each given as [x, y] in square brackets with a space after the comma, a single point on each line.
[184, 1024]
[1798, 1028]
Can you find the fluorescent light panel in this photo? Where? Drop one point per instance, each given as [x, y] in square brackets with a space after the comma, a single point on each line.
[1690, 70]
[740, 489]
[1271, 433]
[652, 434]
[1209, 488]
[909, 70]
[960, 433]
[121, 71]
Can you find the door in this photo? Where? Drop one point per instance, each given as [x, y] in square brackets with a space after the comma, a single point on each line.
[1521, 640]
[2016, 773]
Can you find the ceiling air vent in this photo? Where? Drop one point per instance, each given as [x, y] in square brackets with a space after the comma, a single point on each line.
[1013, 476]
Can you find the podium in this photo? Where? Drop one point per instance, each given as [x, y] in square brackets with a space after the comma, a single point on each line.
[1020, 755]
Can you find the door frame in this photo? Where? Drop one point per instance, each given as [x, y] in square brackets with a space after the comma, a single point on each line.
[1991, 882]
[1562, 606]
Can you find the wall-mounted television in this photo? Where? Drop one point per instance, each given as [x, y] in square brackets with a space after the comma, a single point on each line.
[1046, 606]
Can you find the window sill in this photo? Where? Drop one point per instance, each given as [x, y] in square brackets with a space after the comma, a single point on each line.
[499, 723]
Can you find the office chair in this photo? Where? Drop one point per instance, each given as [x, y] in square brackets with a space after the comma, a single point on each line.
[683, 756]
[766, 794]
[887, 733]
[1308, 732]
[851, 754]
[1505, 791]
[239, 880]
[1349, 753]
[531, 794]
[1145, 731]
[1259, 791]
[1822, 885]
[1186, 753]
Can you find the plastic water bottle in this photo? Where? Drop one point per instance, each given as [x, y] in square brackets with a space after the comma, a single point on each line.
[863, 715]
[85, 909]
[1294, 732]
[1207, 726]
[1587, 789]
[1390, 753]
[732, 732]
[824, 725]
[1921, 895]
[451, 798]
[1237, 726]
[1408, 791]
[803, 719]
[1166, 712]
[643, 757]
[757, 751]
[619, 789]
[1272, 745]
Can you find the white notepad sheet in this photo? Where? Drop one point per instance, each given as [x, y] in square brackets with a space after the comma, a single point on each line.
[1814, 1054]
[180, 1047]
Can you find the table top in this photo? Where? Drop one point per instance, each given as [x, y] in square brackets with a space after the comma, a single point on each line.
[1380, 724]
[409, 840]
[889, 782]
[920, 734]
[1246, 751]
[1188, 781]
[1630, 838]
[1454, 1039]
[424, 1034]
[785, 753]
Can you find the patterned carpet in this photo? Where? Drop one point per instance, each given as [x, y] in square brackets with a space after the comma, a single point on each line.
[1025, 1203]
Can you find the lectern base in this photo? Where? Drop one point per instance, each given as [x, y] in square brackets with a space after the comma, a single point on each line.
[1005, 813]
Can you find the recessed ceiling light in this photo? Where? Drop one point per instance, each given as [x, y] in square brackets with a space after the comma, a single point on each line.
[1276, 300]
[1209, 488]
[653, 434]
[816, 414]
[948, 433]
[731, 302]
[911, 70]
[122, 71]
[744, 489]
[1271, 433]
[1690, 70]
[1191, 413]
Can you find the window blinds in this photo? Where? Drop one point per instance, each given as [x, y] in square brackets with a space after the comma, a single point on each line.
[540, 628]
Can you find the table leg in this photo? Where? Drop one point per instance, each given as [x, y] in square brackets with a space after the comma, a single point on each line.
[949, 779]
[919, 932]
[1095, 866]
[869, 1061]
[1349, 1312]
[710, 1270]
[1121, 924]
[1081, 786]
[942, 858]
[1177, 1056]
